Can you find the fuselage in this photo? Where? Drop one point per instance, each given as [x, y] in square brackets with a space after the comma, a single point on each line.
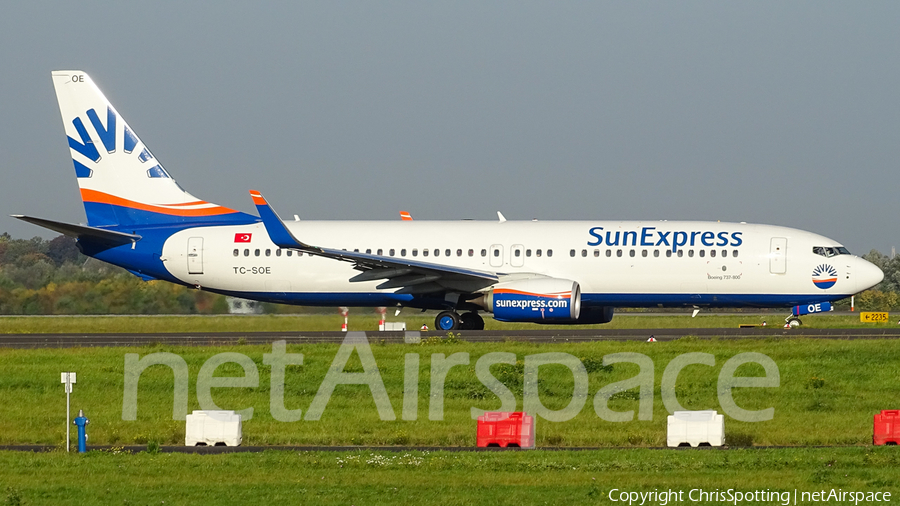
[631, 264]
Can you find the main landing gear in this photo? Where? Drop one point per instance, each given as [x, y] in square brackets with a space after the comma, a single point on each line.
[451, 320]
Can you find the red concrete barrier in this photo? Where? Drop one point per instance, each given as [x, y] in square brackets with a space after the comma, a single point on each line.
[887, 427]
[505, 430]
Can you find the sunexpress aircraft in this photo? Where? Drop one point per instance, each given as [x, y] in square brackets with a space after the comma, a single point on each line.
[560, 272]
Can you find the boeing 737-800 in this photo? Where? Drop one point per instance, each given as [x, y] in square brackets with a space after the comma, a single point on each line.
[561, 272]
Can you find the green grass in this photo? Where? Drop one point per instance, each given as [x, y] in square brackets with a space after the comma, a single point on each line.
[830, 389]
[501, 478]
[367, 321]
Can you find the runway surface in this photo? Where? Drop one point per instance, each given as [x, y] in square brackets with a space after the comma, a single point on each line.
[531, 336]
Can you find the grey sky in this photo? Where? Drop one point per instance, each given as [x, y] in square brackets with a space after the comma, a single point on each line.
[772, 112]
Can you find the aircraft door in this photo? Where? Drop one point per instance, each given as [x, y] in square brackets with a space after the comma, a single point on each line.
[778, 255]
[496, 255]
[195, 255]
[517, 255]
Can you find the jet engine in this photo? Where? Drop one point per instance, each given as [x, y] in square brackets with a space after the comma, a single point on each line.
[539, 300]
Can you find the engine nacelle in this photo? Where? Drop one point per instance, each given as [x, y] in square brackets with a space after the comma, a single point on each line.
[541, 300]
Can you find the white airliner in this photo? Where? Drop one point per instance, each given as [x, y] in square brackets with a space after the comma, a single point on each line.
[560, 272]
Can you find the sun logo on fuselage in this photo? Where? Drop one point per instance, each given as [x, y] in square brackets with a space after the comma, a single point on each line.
[824, 276]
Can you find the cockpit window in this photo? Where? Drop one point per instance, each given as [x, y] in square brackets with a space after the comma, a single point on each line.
[828, 251]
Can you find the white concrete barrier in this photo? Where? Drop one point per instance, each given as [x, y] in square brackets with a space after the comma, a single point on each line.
[211, 427]
[696, 427]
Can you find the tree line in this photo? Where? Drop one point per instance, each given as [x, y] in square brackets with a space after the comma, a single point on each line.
[51, 277]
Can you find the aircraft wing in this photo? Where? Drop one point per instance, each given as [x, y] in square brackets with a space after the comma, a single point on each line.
[411, 276]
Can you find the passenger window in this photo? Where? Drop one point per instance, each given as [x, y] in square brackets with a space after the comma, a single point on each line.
[368, 251]
[437, 252]
[278, 252]
[403, 252]
[415, 252]
[690, 253]
[256, 253]
[618, 252]
[236, 252]
[631, 253]
[379, 252]
[596, 253]
[424, 252]
[356, 250]
[549, 252]
[734, 253]
[246, 252]
[496, 252]
[528, 252]
[446, 252]
[668, 253]
[656, 253]
[571, 252]
[712, 253]
[268, 252]
[584, 253]
[609, 253]
[680, 253]
[517, 253]
[459, 253]
[391, 252]
[484, 253]
[537, 253]
[702, 253]
[472, 253]
[643, 253]
[724, 252]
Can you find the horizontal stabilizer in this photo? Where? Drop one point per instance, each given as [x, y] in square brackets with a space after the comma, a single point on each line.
[82, 231]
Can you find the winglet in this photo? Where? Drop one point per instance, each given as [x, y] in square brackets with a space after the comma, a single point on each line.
[278, 232]
[405, 216]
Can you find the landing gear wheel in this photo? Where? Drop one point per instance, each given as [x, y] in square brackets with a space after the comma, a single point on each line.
[447, 320]
[793, 321]
[472, 321]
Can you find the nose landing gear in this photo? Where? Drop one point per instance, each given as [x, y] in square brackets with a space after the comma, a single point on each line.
[792, 321]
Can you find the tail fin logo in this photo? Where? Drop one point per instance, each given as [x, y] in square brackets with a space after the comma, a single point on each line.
[107, 134]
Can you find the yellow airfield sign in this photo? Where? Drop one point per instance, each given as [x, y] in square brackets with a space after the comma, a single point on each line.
[872, 317]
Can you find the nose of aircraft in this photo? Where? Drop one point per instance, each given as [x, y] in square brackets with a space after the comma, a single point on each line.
[867, 275]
